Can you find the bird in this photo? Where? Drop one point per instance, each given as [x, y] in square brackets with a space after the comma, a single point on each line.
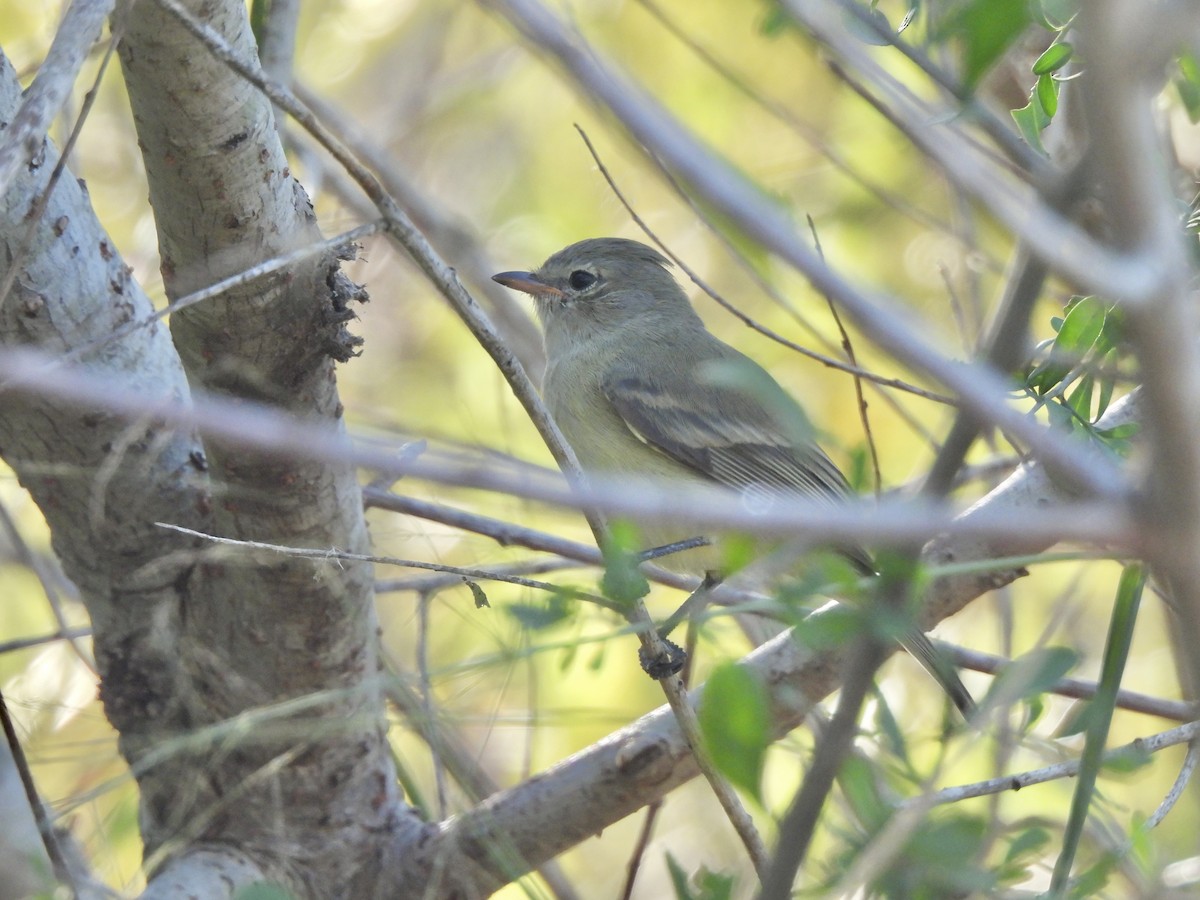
[640, 387]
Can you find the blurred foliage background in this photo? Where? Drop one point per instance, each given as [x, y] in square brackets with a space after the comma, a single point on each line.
[486, 133]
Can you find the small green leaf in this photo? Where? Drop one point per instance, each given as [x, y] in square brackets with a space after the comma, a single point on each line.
[830, 627]
[1030, 675]
[1080, 398]
[1077, 334]
[704, 885]
[536, 617]
[1030, 121]
[481, 600]
[679, 879]
[985, 29]
[774, 23]
[1077, 720]
[1131, 759]
[889, 729]
[622, 581]
[1047, 95]
[1187, 82]
[1120, 437]
[1055, 57]
[1027, 843]
[738, 551]
[735, 720]
[857, 781]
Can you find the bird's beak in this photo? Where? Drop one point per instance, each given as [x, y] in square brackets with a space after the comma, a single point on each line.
[527, 282]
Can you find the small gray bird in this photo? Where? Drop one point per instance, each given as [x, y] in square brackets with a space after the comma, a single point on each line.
[634, 381]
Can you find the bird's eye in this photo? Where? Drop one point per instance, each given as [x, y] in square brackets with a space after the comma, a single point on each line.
[581, 279]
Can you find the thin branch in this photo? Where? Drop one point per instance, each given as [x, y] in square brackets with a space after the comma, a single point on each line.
[1182, 780]
[26, 557]
[68, 634]
[848, 348]
[978, 661]
[37, 809]
[333, 554]
[262, 428]
[1068, 769]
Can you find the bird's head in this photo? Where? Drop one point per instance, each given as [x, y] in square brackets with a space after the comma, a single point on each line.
[600, 285]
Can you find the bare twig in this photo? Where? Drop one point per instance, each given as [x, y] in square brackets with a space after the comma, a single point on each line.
[979, 661]
[45, 827]
[1068, 769]
[263, 428]
[848, 347]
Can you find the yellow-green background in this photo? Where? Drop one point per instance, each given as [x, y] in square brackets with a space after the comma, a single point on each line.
[486, 129]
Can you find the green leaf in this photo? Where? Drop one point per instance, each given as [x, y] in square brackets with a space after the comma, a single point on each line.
[774, 23]
[481, 600]
[1076, 721]
[1187, 83]
[1091, 882]
[1078, 333]
[1116, 654]
[1027, 843]
[1025, 850]
[735, 720]
[1030, 675]
[1119, 438]
[985, 28]
[679, 879]
[738, 551]
[1047, 95]
[830, 627]
[539, 616]
[1080, 397]
[857, 781]
[622, 581]
[704, 885]
[1054, 58]
[1131, 759]
[1030, 121]
[890, 731]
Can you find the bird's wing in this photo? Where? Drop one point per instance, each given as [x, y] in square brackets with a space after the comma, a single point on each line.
[736, 442]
